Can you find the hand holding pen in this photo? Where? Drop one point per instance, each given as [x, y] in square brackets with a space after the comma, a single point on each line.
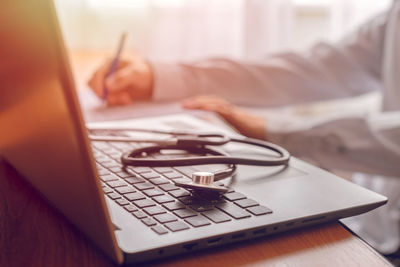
[122, 81]
[114, 64]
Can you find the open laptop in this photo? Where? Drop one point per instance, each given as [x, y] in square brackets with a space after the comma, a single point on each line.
[44, 137]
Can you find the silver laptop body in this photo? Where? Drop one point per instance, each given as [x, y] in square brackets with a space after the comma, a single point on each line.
[44, 137]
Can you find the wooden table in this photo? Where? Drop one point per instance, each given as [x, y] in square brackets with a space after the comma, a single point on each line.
[32, 233]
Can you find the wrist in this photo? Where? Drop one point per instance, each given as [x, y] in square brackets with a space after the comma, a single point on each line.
[249, 124]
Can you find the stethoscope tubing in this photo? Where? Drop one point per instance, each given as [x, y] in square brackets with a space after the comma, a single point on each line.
[201, 144]
[218, 157]
[204, 145]
[177, 138]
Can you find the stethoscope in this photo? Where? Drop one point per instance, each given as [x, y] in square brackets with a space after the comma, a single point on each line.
[203, 145]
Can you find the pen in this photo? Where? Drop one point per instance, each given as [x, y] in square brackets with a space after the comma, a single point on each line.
[114, 63]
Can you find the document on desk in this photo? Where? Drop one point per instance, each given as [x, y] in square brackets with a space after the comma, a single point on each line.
[94, 110]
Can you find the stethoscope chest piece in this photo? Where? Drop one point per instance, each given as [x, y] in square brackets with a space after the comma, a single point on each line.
[203, 181]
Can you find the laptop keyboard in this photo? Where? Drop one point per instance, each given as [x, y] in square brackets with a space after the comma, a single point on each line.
[150, 195]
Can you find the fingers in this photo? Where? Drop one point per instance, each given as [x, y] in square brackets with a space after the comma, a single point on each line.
[202, 102]
[210, 103]
[132, 81]
[96, 82]
[246, 123]
[119, 98]
[120, 80]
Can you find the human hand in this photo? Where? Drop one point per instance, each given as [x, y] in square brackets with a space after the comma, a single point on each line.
[248, 124]
[132, 81]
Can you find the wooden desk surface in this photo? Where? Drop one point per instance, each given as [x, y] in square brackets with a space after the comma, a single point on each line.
[32, 233]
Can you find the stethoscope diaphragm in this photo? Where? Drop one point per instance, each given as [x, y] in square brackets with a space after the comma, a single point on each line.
[203, 181]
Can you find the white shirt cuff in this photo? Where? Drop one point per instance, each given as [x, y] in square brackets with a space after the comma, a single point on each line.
[169, 82]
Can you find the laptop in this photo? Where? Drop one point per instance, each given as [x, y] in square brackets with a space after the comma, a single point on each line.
[139, 215]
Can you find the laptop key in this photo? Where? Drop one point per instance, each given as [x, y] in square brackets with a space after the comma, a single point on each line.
[114, 196]
[149, 221]
[234, 196]
[119, 145]
[163, 169]
[176, 226]
[149, 175]
[111, 164]
[139, 214]
[159, 180]
[201, 206]
[117, 183]
[173, 175]
[102, 159]
[115, 169]
[179, 193]
[143, 203]
[130, 208]
[186, 170]
[233, 210]
[159, 230]
[135, 180]
[141, 169]
[174, 206]
[103, 172]
[217, 216]
[109, 150]
[246, 203]
[122, 201]
[125, 189]
[154, 210]
[107, 190]
[125, 174]
[144, 186]
[108, 177]
[168, 187]
[99, 145]
[153, 192]
[163, 199]
[184, 213]
[115, 156]
[259, 210]
[166, 217]
[134, 196]
[183, 180]
[197, 221]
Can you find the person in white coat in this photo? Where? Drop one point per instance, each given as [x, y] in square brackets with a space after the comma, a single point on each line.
[365, 61]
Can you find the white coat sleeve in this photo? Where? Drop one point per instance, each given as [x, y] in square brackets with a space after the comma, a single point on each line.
[358, 144]
[351, 67]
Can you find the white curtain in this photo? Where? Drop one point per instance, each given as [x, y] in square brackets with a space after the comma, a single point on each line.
[188, 29]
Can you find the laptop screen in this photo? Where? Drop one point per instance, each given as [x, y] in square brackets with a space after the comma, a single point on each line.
[42, 132]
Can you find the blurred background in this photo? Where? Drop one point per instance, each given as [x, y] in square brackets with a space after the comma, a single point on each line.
[182, 30]
[172, 30]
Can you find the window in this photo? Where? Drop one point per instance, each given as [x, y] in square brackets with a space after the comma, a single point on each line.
[133, 3]
[188, 29]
